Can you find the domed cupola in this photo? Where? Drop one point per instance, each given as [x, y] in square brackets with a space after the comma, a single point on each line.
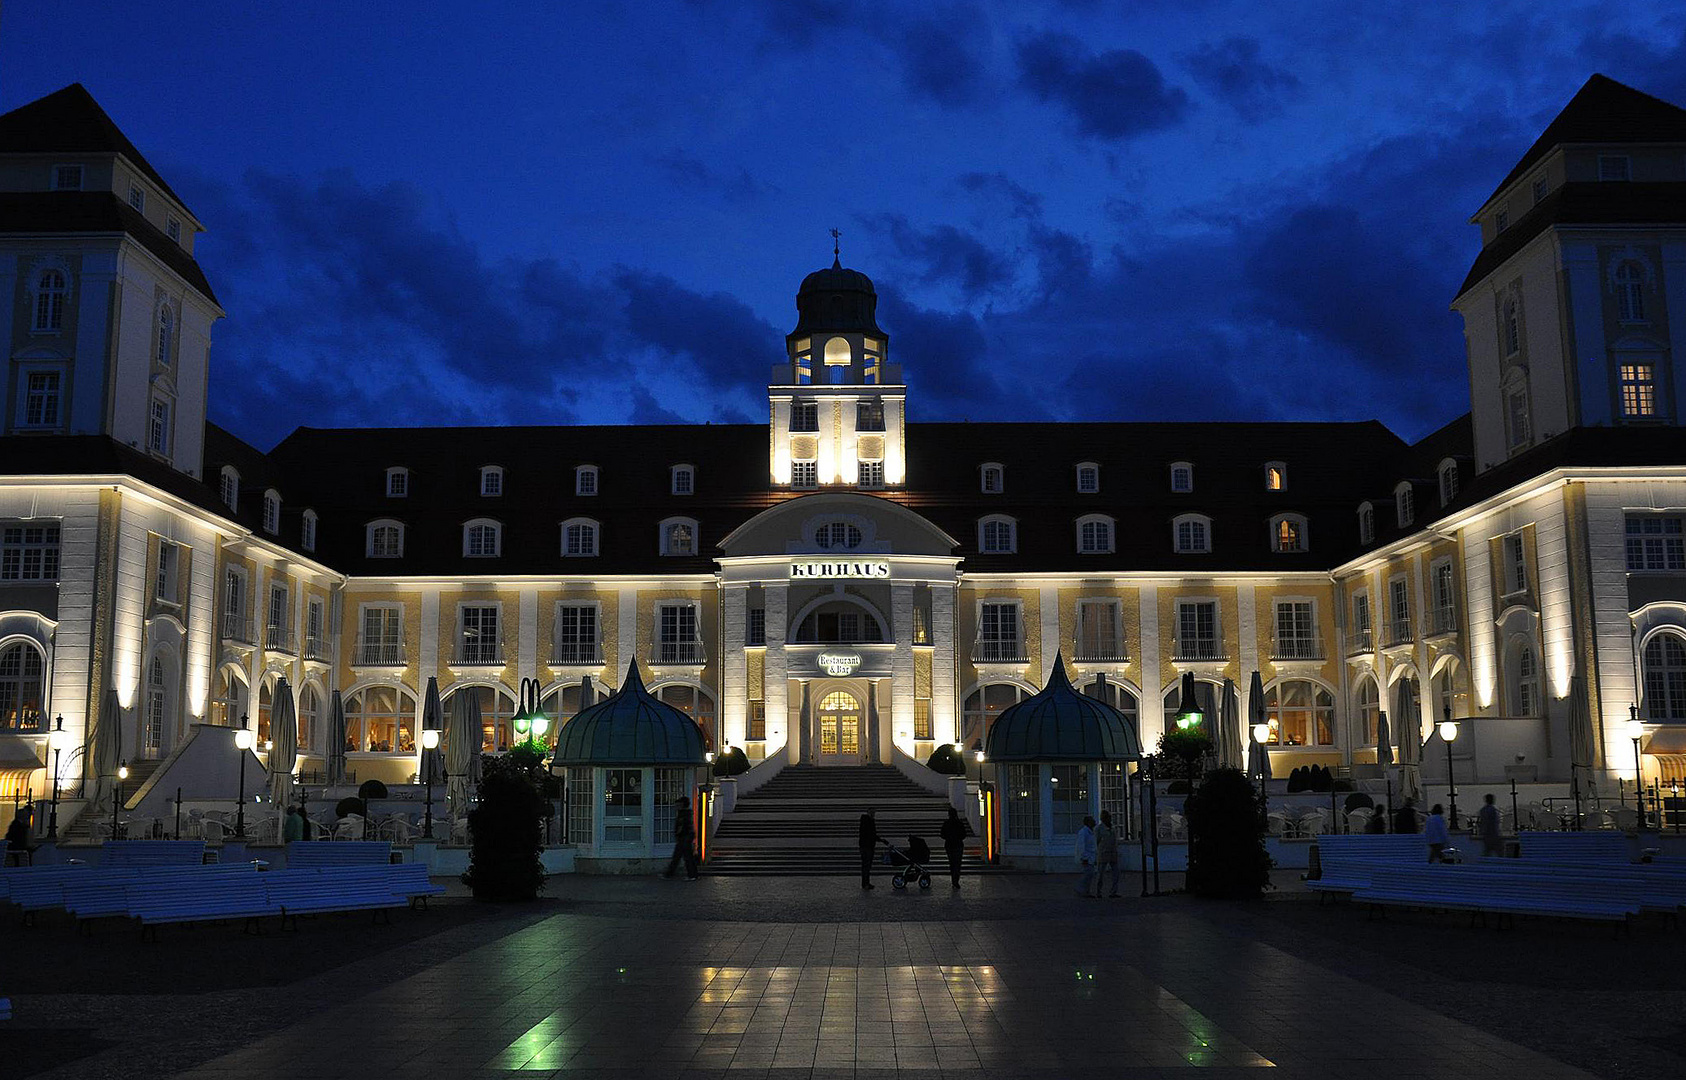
[836, 300]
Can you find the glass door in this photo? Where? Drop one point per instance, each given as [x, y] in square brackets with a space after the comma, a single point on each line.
[840, 728]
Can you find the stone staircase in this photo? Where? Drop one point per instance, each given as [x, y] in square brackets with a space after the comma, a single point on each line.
[805, 822]
[81, 831]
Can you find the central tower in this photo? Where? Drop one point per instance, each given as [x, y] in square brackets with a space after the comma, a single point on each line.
[837, 402]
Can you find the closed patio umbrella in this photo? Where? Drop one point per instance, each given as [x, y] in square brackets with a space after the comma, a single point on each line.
[284, 748]
[336, 739]
[1410, 748]
[1580, 737]
[1384, 741]
[106, 747]
[433, 719]
[1229, 727]
[462, 748]
[1258, 758]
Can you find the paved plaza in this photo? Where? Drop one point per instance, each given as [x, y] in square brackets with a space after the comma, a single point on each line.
[813, 978]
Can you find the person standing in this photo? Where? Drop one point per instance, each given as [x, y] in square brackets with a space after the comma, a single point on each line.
[1377, 822]
[293, 828]
[19, 851]
[1435, 834]
[1106, 854]
[953, 833]
[684, 840]
[869, 846]
[1405, 818]
[1085, 849]
[1488, 828]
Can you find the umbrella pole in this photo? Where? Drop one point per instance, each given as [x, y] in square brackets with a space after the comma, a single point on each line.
[1388, 780]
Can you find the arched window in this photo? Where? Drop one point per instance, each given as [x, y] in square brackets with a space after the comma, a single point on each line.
[1288, 533]
[1630, 292]
[272, 511]
[23, 687]
[839, 623]
[983, 705]
[678, 536]
[998, 535]
[1448, 473]
[1368, 700]
[50, 291]
[1300, 713]
[230, 486]
[1512, 327]
[266, 706]
[1115, 694]
[166, 334]
[838, 536]
[491, 481]
[564, 702]
[152, 717]
[310, 712]
[307, 530]
[585, 480]
[579, 538]
[1206, 696]
[1404, 505]
[497, 716]
[1094, 534]
[1665, 677]
[228, 698]
[1088, 478]
[1276, 476]
[1525, 681]
[482, 539]
[693, 701]
[1191, 534]
[1366, 523]
[385, 540]
[683, 479]
[992, 478]
[380, 720]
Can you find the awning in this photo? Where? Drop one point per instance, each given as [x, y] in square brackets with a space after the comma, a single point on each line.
[1670, 767]
[1665, 741]
[18, 755]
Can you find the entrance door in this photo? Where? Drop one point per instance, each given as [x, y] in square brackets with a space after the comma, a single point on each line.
[840, 729]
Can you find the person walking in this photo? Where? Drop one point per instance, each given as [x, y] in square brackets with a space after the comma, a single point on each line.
[1405, 818]
[293, 828]
[684, 840]
[1377, 822]
[869, 841]
[1106, 854]
[1487, 827]
[1085, 849]
[953, 833]
[19, 851]
[1435, 834]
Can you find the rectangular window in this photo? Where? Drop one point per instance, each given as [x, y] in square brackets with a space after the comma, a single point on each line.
[1088, 480]
[1445, 614]
[758, 721]
[755, 629]
[29, 552]
[164, 583]
[307, 532]
[1192, 536]
[684, 481]
[1094, 537]
[998, 632]
[1097, 630]
[1541, 188]
[1515, 565]
[383, 641]
[172, 229]
[1070, 796]
[1655, 542]
[670, 784]
[1024, 802]
[278, 609]
[1182, 478]
[805, 416]
[67, 178]
[397, 483]
[1501, 221]
[921, 626]
[41, 399]
[491, 482]
[233, 594]
[582, 800]
[872, 474]
[316, 642]
[804, 474]
[1639, 390]
[1399, 603]
[1521, 429]
[1361, 611]
[585, 481]
[1296, 631]
[576, 634]
[678, 643]
[137, 197]
[869, 416]
[479, 642]
[623, 806]
[922, 718]
[1614, 167]
[1197, 630]
[158, 433]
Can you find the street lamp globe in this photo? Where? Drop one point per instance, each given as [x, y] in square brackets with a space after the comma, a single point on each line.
[540, 725]
[430, 739]
[1261, 733]
[245, 738]
[1636, 729]
[1448, 730]
[58, 738]
[123, 772]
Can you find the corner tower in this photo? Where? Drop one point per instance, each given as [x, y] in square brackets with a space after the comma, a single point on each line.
[837, 402]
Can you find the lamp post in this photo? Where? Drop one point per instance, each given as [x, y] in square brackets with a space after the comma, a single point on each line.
[117, 799]
[244, 740]
[1448, 733]
[1261, 736]
[430, 741]
[1636, 731]
[55, 739]
[529, 721]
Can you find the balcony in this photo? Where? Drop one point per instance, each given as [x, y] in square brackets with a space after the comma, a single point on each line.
[995, 651]
[383, 653]
[1443, 620]
[279, 639]
[679, 652]
[237, 628]
[477, 654]
[1360, 640]
[318, 648]
[29, 723]
[1101, 651]
[1399, 632]
[576, 654]
[1296, 648]
[1197, 649]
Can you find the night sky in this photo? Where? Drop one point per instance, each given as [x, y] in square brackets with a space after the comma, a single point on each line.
[599, 213]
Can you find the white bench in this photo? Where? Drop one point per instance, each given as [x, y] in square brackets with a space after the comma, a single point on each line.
[304, 853]
[1482, 892]
[152, 853]
[205, 898]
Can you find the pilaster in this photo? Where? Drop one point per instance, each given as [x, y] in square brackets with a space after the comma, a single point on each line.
[901, 668]
[945, 717]
[734, 666]
[775, 677]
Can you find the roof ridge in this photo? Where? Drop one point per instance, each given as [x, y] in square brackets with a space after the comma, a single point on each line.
[71, 120]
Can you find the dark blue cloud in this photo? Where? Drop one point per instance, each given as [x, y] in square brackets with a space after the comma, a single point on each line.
[944, 55]
[1111, 95]
[1233, 71]
[692, 175]
[945, 255]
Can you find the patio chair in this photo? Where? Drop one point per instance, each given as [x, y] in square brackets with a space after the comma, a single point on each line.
[1279, 823]
[1357, 820]
[350, 827]
[459, 830]
[1173, 827]
[212, 830]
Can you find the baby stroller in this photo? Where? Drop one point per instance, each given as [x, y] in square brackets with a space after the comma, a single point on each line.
[910, 864]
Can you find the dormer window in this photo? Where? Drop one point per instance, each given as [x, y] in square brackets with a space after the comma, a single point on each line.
[230, 490]
[491, 481]
[137, 197]
[384, 539]
[1275, 476]
[1501, 221]
[1541, 187]
[271, 511]
[397, 482]
[1448, 473]
[1191, 534]
[1404, 505]
[1615, 167]
[683, 479]
[679, 536]
[1288, 533]
[1182, 476]
[482, 539]
[992, 478]
[67, 178]
[1366, 523]
[998, 535]
[1088, 478]
[1094, 535]
[172, 229]
[579, 538]
[585, 480]
[307, 531]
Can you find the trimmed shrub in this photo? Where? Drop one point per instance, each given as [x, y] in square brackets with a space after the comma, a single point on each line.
[351, 804]
[508, 826]
[946, 759]
[1226, 824]
[1297, 780]
[731, 761]
[1358, 801]
[371, 789]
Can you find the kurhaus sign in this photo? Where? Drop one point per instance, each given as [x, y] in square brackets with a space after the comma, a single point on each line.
[838, 568]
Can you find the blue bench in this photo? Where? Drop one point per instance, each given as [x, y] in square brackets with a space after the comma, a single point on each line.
[105, 894]
[1601, 844]
[201, 898]
[1483, 891]
[306, 853]
[152, 853]
[15, 876]
[1346, 861]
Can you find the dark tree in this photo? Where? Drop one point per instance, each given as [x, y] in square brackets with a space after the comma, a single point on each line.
[1227, 856]
[508, 826]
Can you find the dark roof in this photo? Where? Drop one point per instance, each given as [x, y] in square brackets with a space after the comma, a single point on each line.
[96, 212]
[1583, 203]
[70, 121]
[1604, 111]
[630, 727]
[1059, 724]
[836, 299]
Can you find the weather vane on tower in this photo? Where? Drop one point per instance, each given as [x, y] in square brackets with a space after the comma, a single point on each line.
[836, 245]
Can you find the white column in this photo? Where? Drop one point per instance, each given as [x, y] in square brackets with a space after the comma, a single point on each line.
[779, 452]
[1048, 615]
[848, 451]
[628, 635]
[775, 684]
[945, 717]
[527, 641]
[257, 612]
[1247, 616]
[734, 667]
[1151, 709]
[901, 669]
[895, 445]
[427, 648]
